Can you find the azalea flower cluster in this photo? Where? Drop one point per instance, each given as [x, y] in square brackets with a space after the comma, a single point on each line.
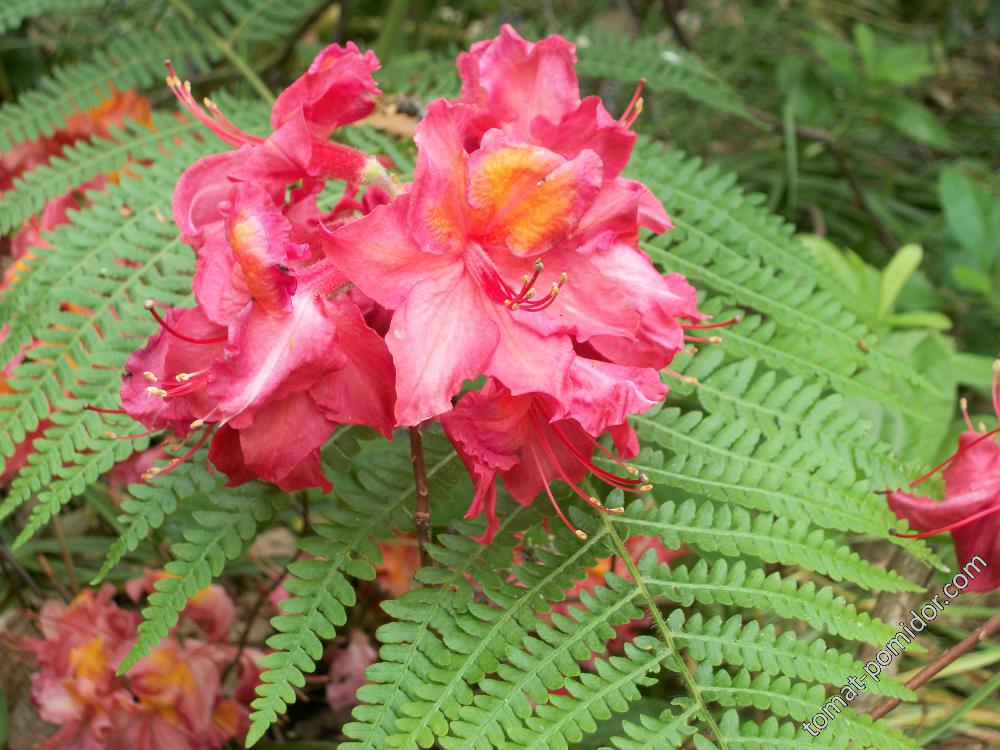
[971, 509]
[511, 256]
[172, 699]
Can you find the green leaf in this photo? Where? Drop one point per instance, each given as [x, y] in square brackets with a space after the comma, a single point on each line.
[906, 260]
[914, 121]
[973, 215]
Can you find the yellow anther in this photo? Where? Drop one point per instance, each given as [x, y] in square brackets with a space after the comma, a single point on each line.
[580, 533]
[594, 500]
[110, 434]
[563, 277]
[197, 423]
[530, 293]
[151, 376]
[149, 304]
[539, 265]
[507, 303]
[525, 279]
[154, 391]
[632, 470]
[182, 377]
[616, 510]
[646, 488]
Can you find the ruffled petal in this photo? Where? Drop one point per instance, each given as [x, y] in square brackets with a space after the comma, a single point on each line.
[440, 337]
[336, 90]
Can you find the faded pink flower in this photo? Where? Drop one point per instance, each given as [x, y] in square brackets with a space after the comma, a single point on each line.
[347, 669]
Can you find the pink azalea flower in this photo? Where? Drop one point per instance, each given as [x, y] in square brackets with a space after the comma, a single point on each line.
[170, 700]
[446, 256]
[269, 360]
[971, 508]
[530, 90]
[518, 439]
[211, 608]
[347, 669]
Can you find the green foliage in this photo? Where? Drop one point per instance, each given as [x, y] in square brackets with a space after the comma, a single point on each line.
[763, 465]
[219, 532]
[667, 70]
[371, 502]
[14, 12]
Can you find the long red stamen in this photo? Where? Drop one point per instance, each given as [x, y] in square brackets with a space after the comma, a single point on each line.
[593, 501]
[953, 456]
[702, 326]
[703, 339]
[157, 471]
[603, 474]
[633, 103]
[90, 407]
[149, 305]
[223, 128]
[147, 433]
[964, 405]
[964, 522]
[545, 483]
[689, 379]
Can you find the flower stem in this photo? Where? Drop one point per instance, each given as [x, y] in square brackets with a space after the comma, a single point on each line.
[666, 634]
[974, 638]
[422, 509]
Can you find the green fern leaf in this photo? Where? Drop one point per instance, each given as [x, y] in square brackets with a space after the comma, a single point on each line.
[221, 532]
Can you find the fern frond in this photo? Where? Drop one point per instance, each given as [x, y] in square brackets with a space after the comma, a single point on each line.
[739, 585]
[13, 12]
[613, 685]
[724, 241]
[147, 506]
[85, 159]
[761, 649]
[734, 532]
[542, 665]
[605, 54]
[132, 61]
[220, 532]
[745, 389]
[724, 459]
[668, 731]
[784, 699]
[103, 265]
[773, 735]
[373, 506]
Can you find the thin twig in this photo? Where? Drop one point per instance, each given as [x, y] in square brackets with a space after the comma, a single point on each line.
[422, 509]
[19, 569]
[46, 567]
[671, 11]
[252, 616]
[74, 584]
[974, 638]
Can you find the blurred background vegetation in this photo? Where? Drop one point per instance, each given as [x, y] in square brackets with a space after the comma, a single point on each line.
[871, 126]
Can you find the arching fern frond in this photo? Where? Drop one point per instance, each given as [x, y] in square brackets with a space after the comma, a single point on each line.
[13, 12]
[668, 731]
[220, 532]
[86, 159]
[372, 505]
[606, 54]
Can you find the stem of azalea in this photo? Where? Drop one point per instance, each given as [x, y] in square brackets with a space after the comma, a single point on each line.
[925, 675]
[422, 509]
[227, 51]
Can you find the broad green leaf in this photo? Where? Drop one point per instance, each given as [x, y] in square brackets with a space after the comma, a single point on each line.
[906, 260]
[914, 121]
[973, 215]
